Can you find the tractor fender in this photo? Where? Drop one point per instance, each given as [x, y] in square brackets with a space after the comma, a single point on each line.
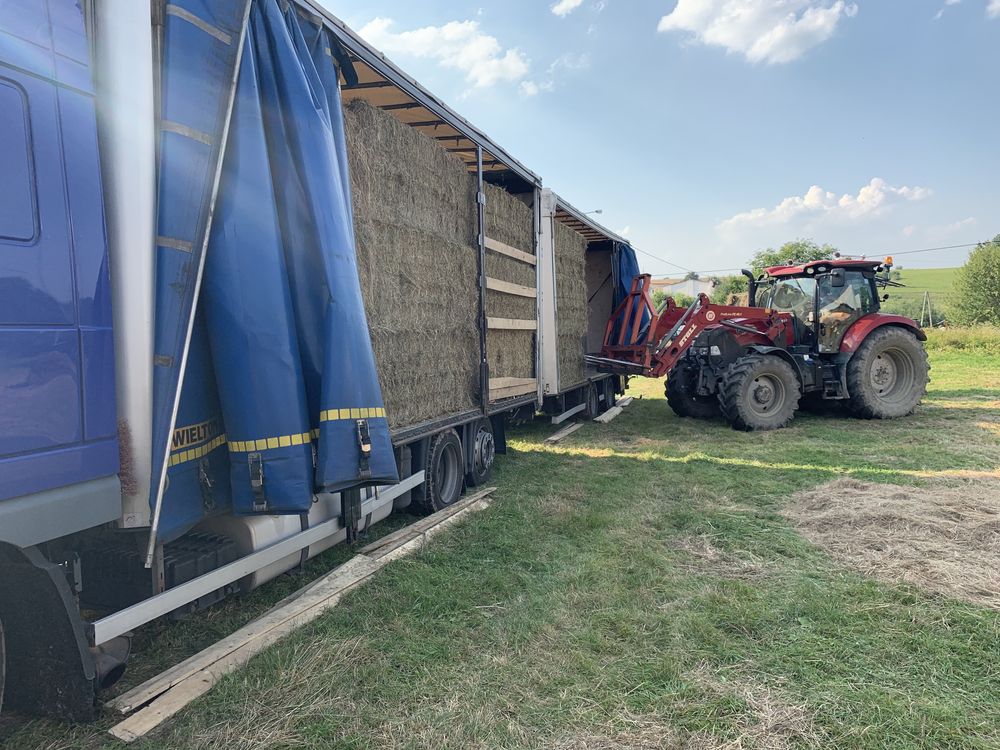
[778, 351]
[863, 326]
[50, 668]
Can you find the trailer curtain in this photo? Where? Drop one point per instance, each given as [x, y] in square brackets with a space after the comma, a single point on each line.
[301, 404]
[626, 269]
[286, 320]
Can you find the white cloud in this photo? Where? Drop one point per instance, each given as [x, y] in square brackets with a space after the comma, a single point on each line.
[771, 31]
[457, 44]
[625, 230]
[565, 7]
[993, 9]
[873, 199]
[937, 16]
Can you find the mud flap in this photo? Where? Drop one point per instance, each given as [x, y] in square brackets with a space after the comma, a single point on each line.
[50, 669]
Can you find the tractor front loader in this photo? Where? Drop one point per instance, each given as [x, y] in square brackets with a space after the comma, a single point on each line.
[818, 335]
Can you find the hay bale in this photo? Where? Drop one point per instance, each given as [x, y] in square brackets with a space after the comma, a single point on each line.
[416, 227]
[571, 305]
[511, 354]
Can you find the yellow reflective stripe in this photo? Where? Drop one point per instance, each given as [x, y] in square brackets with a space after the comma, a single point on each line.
[263, 444]
[193, 454]
[370, 412]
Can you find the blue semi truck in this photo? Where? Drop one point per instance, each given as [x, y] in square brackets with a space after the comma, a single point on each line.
[189, 403]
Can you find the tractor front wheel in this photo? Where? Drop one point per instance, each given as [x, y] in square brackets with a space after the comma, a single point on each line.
[887, 376]
[683, 397]
[759, 392]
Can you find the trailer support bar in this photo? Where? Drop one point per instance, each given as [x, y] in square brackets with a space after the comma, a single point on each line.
[122, 622]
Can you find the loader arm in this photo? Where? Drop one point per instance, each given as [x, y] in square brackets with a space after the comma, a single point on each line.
[634, 347]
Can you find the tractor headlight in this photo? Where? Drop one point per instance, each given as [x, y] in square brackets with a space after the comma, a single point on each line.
[715, 351]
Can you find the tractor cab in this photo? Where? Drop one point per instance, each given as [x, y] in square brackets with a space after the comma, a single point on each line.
[825, 298]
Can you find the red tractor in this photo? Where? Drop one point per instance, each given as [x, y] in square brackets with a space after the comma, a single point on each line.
[811, 333]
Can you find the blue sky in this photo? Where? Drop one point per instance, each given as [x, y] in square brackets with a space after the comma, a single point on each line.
[706, 129]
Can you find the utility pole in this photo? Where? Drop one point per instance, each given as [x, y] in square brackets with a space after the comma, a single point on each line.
[926, 305]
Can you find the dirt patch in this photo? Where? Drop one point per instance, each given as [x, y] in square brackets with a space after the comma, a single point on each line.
[705, 557]
[943, 537]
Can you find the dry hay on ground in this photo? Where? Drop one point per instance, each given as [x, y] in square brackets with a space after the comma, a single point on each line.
[571, 304]
[705, 557]
[943, 537]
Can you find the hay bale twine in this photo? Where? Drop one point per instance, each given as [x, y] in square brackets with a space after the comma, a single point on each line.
[416, 226]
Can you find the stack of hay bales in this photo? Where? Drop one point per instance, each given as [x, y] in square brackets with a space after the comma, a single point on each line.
[416, 226]
[415, 222]
[571, 305]
[510, 353]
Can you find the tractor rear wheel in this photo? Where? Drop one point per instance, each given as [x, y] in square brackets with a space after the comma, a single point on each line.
[887, 376]
[759, 392]
[684, 399]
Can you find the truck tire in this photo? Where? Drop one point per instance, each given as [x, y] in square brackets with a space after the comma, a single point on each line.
[759, 392]
[609, 392]
[592, 400]
[484, 450]
[887, 376]
[680, 392]
[444, 471]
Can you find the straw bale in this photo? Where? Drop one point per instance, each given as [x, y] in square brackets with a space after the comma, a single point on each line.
[416, 226]
[509, 219]
[571, 304]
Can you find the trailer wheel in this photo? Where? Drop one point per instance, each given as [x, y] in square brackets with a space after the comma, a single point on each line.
[759, 392]
[887, 376]
[609, 392]
[444, 471]
[484, 450]
[592, 401]
[681, 395]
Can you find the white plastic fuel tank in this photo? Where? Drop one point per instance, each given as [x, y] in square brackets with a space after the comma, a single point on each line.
[251, 533]
[123, 75]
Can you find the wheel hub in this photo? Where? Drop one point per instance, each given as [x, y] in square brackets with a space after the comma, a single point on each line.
[485, 450]
[763, 394]
[883, 373]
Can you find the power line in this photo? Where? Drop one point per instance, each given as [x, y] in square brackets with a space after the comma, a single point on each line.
[882, 252]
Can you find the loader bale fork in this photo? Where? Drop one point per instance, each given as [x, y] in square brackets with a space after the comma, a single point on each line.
[817, 335]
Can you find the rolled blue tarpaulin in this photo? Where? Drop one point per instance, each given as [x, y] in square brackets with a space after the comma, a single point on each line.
[297, 375]
[300, 399]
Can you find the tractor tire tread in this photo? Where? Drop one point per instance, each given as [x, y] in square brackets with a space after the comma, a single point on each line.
[680, 399]
[731, 386]
[866, 405]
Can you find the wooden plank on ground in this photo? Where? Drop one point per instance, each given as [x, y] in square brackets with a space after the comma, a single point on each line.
[512, 324]
[177, 687]
[625, 402]
[512, 252]
[355, 569]
[563, 433]
[559, 418]
[508, 288]
[607, 416]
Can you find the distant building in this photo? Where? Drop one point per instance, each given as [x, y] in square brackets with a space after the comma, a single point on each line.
[688, 287]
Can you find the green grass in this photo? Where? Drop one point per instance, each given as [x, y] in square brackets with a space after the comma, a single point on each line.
[633, 586]
[937, 281]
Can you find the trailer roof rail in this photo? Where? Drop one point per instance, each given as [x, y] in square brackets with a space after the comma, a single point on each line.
[387, 80]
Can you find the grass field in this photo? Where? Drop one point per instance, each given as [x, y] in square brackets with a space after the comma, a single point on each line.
[937, 281]
[636, 586]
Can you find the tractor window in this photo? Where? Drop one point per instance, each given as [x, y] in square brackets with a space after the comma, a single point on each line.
[792, 295]
[839, 307]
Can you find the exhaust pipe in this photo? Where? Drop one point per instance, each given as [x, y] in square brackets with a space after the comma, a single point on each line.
[110, 660]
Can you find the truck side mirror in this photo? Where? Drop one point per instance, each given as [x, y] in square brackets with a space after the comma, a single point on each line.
[837, 278]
